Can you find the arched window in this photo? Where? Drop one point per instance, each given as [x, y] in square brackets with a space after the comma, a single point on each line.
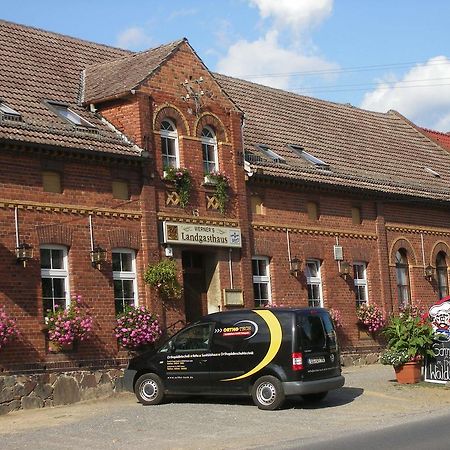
[441, 274]
[402, 269]
[209, 149]
[169, 144]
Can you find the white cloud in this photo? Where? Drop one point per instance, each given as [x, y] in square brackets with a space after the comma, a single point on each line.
[422, 95]
[134, 38]
[297, 14]
[266, 56]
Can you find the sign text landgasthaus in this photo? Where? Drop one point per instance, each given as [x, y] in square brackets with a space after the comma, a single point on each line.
[197, 234]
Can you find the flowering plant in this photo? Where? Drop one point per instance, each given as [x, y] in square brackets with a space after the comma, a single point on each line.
[410, 335]
[222, 183]
[336, 317]
[371, 317]
[181, 178]
[67, 325]
[8, 328]
[137, 327]
[163, 276]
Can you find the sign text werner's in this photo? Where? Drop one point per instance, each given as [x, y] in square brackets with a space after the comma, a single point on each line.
[183, 233]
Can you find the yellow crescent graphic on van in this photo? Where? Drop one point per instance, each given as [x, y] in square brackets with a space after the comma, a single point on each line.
[275, 343]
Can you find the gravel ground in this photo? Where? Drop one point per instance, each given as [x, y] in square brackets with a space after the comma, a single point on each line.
[370, 400]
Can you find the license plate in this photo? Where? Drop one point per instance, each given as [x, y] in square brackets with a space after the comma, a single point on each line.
[316, 360]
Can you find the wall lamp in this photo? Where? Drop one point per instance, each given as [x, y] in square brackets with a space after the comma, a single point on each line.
[24, 252]
[98, 256]
[429, 272]
[295, 264]
[344, 269]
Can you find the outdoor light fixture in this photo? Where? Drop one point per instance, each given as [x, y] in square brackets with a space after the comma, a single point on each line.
[24, 252]
[98, 256]
[429, 272]
[344, 269]
[295, 266]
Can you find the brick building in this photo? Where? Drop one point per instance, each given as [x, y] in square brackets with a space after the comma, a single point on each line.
[327, 204]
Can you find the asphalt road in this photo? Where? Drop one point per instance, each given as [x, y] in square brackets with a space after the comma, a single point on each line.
[369, 402]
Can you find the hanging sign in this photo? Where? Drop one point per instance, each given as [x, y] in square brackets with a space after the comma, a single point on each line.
[206, 235]
[437, 369]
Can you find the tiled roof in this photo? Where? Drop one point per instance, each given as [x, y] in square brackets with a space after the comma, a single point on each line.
[37, 65]
[364, 149]
[442, 139]
[114, 78]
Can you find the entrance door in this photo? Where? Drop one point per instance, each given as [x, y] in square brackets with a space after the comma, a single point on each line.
[194, 283]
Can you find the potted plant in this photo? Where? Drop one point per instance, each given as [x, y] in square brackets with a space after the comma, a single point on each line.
[163, 276]
[137, 327]
[65, 326]
[8, 328]
[181, 178]
[409, 339]
[221, 183]
[370, 317]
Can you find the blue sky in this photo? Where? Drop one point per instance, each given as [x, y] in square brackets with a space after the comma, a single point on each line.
[375, 54]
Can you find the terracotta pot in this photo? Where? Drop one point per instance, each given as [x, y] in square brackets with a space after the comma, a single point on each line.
[408, 373]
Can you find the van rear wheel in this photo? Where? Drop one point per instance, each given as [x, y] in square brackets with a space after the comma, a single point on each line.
[268, 393]
[149, 389]
[315, 397]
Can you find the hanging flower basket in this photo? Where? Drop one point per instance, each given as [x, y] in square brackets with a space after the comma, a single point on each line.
[163, 277]
[222, 184]
[8, 328]
[181, 178]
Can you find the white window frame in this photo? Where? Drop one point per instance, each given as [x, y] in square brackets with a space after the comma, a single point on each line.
[263, 279]
[316, 281]
[172, 136]
[361, 282]
[58, 273]
[208, 141]
[127, 275]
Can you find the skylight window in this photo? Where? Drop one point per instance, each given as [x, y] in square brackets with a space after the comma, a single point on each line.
[433, 172]
[72, 117]
[265, 149]
[308, 157]
[8, 113]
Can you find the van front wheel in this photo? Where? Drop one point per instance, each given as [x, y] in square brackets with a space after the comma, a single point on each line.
[268, 393]
[149, 389]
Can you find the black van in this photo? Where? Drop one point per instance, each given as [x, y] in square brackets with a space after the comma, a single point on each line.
[268, 353]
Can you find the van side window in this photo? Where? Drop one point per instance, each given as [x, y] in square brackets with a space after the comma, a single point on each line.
[194, 338]
[312, 332]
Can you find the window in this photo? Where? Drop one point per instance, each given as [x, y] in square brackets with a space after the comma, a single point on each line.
[51, 181]
[63, 111]
[256, 204]
[308, 157]
[356, 215]
[124, 276]
[314, 282]
[261, 280]
[402, 269]
[442, 274]
[313, 210]
[169, 144]
[120, 190]
[8, 113]
[265, 149]
[54, 277]
[196, 338]
[209, 149]
[360, 280]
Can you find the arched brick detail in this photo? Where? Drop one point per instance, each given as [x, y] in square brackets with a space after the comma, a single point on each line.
[173, 113]
[311, 250]
[211, 120]
[439, 247]
[263, 247]
[402, 243]
[122, 238]
[55, 234]
[360, 254]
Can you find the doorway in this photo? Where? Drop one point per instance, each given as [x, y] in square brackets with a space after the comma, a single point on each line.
[201, 284]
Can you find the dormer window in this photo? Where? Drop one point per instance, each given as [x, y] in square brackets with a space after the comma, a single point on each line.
[8, 113]
[299, 151]
[64, 112]
[266, 150]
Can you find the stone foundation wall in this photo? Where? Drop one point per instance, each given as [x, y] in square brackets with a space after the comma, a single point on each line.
[359, 359]
[52, 389]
